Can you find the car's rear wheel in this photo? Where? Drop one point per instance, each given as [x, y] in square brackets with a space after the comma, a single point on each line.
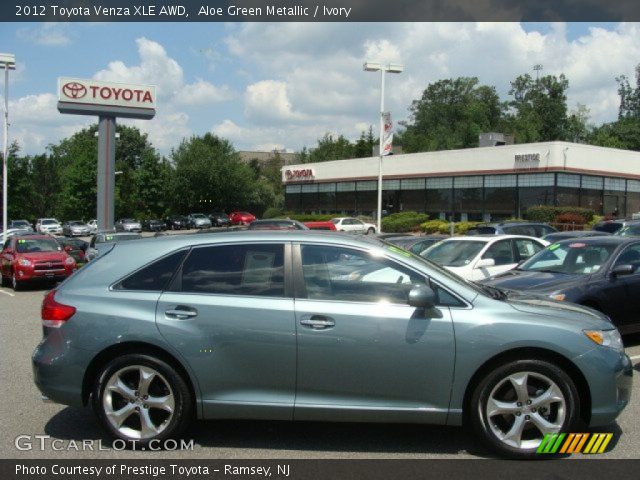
[139, 399]
[516, 405]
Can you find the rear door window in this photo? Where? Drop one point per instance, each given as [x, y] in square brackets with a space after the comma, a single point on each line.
[244, 269]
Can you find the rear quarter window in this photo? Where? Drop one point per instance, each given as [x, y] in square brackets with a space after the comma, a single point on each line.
[154, 277]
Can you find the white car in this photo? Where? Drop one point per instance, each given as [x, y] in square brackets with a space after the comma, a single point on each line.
[476, 258]
[49, 225]
[93, 226]
[350, 224]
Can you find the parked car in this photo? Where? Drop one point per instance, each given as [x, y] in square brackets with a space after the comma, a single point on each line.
[219, 219]
[198, 220]
[33, 258]
[611, 226]
[21, 224]
[277, 224]
[557, 236]
[103, 241]
[75, 247]
[176, 222]
[75, 228]
[416, 244]
[353, 225]
[598, 272]
[528, 229]
[241, 218]
[153, 225]
[320, 225]
[48, 225]
[630, 229]
[478, 257]
[93, 226]
[183, 326]
[19, 231]
[128, 225]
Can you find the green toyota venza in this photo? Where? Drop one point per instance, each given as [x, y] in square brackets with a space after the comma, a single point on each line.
[315, 326]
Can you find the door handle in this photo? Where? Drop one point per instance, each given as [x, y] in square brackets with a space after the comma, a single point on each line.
[181, 312]
[318, 322]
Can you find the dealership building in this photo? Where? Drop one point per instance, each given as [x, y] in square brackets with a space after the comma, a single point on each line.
[481, 184]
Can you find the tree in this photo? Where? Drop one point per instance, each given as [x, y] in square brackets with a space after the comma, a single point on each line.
[208, 170]
[451, 114]
[539, 109]
[629, 97]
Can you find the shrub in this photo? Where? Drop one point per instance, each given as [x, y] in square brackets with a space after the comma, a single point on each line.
[548, 213]
[462, 228]
[403, 221]
[592, 223]
[272, 212]
[570, 218]
[435, 226]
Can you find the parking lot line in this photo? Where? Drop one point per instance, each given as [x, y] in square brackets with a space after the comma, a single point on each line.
[8, 293]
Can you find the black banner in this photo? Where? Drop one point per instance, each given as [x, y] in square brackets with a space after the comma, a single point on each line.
[252, 469]
[319, 10]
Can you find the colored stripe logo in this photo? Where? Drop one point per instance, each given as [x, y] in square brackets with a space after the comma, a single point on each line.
[586, 443]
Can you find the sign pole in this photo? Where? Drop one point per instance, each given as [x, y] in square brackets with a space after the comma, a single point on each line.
[106, 171]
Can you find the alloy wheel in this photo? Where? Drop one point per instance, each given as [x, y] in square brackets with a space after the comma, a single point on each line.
[524, 407]
[138, 402]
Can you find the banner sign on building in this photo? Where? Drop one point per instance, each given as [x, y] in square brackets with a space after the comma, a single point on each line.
[86, 97]
[387, 137]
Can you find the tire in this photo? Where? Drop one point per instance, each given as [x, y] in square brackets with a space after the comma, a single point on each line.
[371, 231]
[15, 283]
[523, 412]
[142, 423]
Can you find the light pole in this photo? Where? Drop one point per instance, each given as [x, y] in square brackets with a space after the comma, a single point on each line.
[8, 62]
[391, 68]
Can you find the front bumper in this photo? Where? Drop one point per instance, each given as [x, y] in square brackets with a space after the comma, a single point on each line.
[610, 378]
[29, 274]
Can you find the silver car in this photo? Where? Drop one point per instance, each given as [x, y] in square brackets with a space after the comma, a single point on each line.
[128, 225]
[75, 228]
[307, 326]
[198, 220]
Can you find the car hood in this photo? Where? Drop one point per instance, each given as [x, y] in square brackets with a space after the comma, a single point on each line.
[44, 256]
[565, 311]
[537, 281]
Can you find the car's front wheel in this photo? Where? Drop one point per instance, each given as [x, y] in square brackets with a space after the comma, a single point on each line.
[514, 406]
[15, 283]
[140, 398]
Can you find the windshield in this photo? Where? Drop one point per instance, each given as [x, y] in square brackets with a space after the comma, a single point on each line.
[335, 221]
[32, 245]
[629, 231]
[575, 258]
[48, 221]
[21, 222]
[76, 222]
[453, 253]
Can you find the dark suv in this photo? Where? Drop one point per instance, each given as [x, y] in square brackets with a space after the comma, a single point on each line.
[631, 228]
[512, 228]
[612, 226]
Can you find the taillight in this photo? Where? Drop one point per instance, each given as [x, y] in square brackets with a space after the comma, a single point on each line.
[54, 314]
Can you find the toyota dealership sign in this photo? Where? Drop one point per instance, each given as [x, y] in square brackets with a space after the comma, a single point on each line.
[87, 97]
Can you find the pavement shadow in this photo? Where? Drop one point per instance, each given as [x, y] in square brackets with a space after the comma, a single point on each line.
[79, 424]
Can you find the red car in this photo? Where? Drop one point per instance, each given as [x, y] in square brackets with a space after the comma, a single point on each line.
[34, 257]
[241, 218]
[321, 225]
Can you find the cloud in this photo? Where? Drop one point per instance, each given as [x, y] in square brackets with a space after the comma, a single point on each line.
[201, 93]
[268, 100]
[46, 34]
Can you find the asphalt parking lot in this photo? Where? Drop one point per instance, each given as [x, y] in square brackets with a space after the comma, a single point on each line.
[23, 413]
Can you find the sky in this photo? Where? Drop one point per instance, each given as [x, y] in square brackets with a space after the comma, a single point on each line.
[284, 85]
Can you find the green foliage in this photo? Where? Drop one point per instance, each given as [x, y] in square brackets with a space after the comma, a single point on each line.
[548, 214]
[272, 212]
[596, 219]
[451, 114]
[403, 221]
[461, 228]
[340, 148]
[435, 226]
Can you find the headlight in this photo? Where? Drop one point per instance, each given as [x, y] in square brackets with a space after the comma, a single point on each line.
[558, 296]
[69, 261]
[24, 262]
[606, 338]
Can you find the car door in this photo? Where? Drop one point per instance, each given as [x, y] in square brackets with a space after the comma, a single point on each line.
[363, 352]
[501, 251]
[626, 289]
[230, 316]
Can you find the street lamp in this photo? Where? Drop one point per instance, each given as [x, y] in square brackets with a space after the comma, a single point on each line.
[382, 68]
[8, 62]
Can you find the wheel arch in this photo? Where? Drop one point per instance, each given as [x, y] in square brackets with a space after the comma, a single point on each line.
[109, 353]
[531, 353]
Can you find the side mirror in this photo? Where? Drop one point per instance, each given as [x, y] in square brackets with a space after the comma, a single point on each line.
[620, 270]
[422, 296]
[67, 248]
[485, 262]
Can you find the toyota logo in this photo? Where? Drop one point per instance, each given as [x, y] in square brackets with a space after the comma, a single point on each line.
[74, 90]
